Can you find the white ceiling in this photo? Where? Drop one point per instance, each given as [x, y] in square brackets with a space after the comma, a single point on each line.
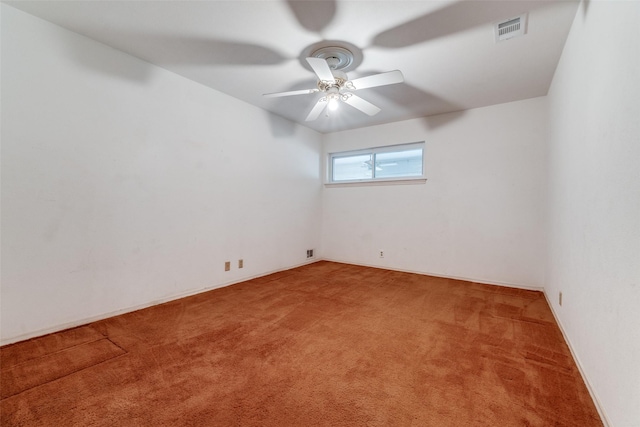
[445, 49]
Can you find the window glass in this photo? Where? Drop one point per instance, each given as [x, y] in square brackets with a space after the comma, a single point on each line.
[350, 168]
[398, 164]
[381, 163]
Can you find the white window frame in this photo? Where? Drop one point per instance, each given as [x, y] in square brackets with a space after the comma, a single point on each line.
[373, 151]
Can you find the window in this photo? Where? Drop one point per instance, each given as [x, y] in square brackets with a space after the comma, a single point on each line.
[397, 162]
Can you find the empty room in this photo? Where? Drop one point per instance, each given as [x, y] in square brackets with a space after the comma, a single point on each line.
[320, 213]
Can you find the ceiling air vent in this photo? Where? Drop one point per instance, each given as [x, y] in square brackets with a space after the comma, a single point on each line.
[512, 27]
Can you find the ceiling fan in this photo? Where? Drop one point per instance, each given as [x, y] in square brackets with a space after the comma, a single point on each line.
[327, 63]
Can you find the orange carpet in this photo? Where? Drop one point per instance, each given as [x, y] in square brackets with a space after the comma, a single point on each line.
[327, 344]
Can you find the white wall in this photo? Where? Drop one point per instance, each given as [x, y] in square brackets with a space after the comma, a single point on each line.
[480, 214]
[594, 202]
[124, 184]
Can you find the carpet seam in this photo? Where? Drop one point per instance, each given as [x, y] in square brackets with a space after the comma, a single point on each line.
[61, 350]
[60, 378]
[117, 345]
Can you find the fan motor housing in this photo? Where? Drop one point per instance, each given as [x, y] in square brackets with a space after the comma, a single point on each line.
[339, 83]
[337, 57]
[340, 55]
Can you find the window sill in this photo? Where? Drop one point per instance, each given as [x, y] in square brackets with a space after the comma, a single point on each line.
[367, 183]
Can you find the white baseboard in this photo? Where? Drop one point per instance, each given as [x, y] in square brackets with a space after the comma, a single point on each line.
[81, 322]
[592, 392]
[103, 316]
[85, 321]
[446, 276]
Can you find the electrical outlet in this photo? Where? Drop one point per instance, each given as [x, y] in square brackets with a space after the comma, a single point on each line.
[309, 253]
[227, 265]
[560, 298]
[381, 253]
[240, 263]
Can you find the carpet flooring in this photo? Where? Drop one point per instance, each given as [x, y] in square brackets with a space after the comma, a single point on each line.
[326, 344]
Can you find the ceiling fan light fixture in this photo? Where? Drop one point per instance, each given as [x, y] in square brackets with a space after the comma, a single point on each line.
[333, 103]
[332, 80]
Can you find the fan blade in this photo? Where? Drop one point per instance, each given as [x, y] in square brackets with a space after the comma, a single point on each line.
[195, 50]
[382, 79]
[321, 68]
[293, 92]
[316, 110]
[313, 15]
[362, 105]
